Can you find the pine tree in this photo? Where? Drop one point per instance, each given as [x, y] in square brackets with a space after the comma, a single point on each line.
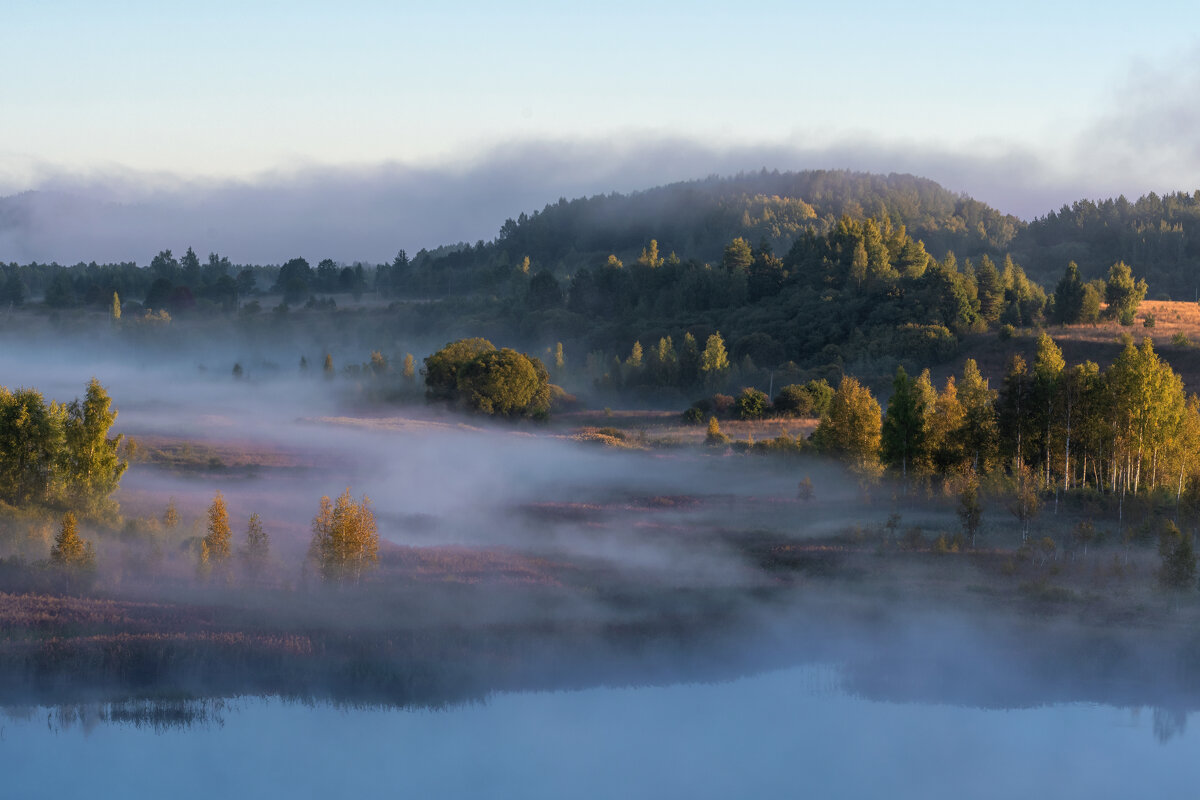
[70, 549]
[220, 538]
[328, 368]
[1068, 297]
[1122, 293]
[116, 308]
[715, 437]
[903, 432]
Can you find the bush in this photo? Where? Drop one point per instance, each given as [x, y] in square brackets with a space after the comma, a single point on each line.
[1148, 321]
[751, 404]
[1181, 340]
[722, 404]
[472, 373]
[1126, 318]
[1006, 332]
[693, 416]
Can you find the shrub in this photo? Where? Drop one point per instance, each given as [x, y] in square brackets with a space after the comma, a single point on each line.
[751, 404]
[714, 436]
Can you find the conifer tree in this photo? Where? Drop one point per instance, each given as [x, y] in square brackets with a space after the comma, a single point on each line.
[1068, 297]
[903, 430]
[70, 549]
[715, 437]
[220, 538]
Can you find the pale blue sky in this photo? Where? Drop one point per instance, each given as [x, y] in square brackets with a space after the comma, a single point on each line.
[251, 128]
[227, 88]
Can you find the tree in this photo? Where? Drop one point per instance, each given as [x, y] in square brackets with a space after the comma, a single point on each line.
[504, 383]
[442, 368]
[345, 541]
[650, 257]
[93, 466]
[409, 371]
[714, 437]
[116, 308]
[328, 366]
[714, 361]
[851, 428]
[1068, 297]
[219, 541]
[560, 361]
[903, 433]
[189, 268]
[1013, 410]
[1178, 569]
[171, 515]
[970, 511]
[979, 432]
[1045, 396]
[635, 356]
[751, 404]
[293, 280]
[738, 255]
[31, 446]
[70, 549]
[379, 364]
[258, 546]
[1122, 293]
[1024, 502]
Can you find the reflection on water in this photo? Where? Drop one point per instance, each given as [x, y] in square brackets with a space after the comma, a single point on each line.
[790, 732]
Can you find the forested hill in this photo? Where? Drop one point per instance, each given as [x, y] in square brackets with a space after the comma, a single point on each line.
[1158, 236]
[697, 219]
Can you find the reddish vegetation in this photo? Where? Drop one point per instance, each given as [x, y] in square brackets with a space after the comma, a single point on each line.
[470, 565]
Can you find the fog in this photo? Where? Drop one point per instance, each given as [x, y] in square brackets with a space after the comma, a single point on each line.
[369, 213]
[516, 558]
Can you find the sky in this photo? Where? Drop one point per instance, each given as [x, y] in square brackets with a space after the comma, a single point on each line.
[235, 123]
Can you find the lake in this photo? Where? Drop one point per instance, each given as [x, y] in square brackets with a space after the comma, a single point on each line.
[789, 732]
